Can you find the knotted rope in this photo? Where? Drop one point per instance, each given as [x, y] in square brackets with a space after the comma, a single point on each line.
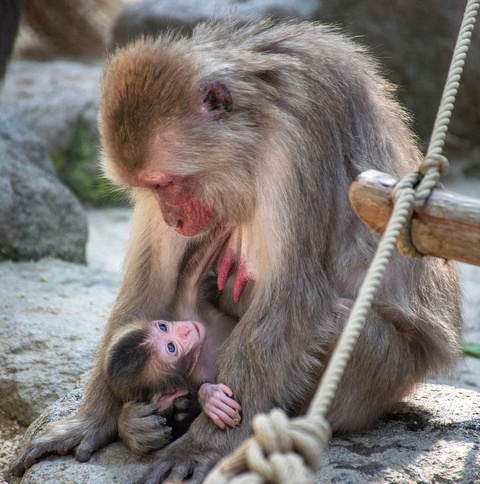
[280, 448]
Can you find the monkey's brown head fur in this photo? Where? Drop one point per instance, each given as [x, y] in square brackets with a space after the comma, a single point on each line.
[141, 95]
[179, 125]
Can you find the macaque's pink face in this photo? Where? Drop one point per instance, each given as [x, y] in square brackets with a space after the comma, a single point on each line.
[175, 339]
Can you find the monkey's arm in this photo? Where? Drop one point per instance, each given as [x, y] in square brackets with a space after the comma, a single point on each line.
[404, 339]
[248, 370]
[96, 423]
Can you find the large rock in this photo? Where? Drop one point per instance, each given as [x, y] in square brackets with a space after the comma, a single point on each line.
[39, 216]
[150, 17]
[433, 437]
[52, 317]
[415, 41]
[58, 101]
[51, 98]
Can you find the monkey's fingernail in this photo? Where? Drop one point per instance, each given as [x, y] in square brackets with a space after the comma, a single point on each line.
[237, 419]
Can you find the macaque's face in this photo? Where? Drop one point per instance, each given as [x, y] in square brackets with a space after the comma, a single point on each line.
[174, 132]
[173, 340]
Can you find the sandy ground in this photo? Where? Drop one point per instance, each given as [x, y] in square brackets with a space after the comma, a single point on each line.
[107, 242]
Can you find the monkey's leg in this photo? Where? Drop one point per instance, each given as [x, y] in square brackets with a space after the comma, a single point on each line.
[92, 428]
[412, 332]
[247, 366]
[189, 457]
[95, 424]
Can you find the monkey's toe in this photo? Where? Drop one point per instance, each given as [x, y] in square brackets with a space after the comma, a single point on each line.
[84, 451]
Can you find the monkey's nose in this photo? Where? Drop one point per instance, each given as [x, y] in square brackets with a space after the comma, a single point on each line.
[185, 330]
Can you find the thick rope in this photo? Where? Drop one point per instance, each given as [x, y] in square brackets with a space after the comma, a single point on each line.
[273, 454]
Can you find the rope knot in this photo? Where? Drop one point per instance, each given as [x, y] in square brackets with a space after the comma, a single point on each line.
[276, 433]
[404, 193]
[282, 450]
[434, 162]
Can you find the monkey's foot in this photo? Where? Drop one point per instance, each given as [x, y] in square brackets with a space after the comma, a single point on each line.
[82, 437]
[180, 461]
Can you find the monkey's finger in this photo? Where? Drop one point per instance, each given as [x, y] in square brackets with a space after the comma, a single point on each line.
[83, 453]
[200, 471]
[226, 407]
[225, 389]
[219, 415]
[154, 421]
[212, 414]
[33, 453]
[28, 458]
[144, 410]
[181, 471]
[157, 473]
[182, 403]
[230, 402]
[181, 417]
[217, 407]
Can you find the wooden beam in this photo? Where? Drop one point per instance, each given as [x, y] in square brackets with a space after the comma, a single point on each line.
[448, 226]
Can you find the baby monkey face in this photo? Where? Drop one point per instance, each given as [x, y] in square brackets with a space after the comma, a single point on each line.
[176, 339]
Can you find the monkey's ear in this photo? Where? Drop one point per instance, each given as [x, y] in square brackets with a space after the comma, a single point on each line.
[216, 99]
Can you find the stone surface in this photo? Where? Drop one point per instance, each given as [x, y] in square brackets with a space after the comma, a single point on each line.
[414, 41]
[52, 317]
[150, 17]
[51, 98]
[433, 437]
[58, 101]
[39, 216]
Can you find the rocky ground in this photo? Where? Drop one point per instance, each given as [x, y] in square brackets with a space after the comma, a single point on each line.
[108, 232]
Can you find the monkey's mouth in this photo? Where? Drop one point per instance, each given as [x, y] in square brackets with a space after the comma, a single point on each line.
[189, 218]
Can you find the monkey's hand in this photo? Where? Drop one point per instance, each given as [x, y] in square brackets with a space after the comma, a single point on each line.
[142, 428]
[181, 410]
[81, 436]
[216, 402]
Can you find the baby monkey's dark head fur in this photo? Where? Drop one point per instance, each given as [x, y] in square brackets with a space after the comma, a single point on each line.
[133, 370]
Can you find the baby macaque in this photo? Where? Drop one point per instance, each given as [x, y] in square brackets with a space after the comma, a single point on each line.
[157, 363]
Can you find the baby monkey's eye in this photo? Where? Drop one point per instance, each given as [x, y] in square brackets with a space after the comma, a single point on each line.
[162, 327]
[171, 347]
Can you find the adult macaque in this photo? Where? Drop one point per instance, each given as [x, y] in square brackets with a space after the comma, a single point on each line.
[158, 362]
[239, 146]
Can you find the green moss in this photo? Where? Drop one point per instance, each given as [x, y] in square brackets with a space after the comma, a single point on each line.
[9, 253]
[78, 167]
[472, 349]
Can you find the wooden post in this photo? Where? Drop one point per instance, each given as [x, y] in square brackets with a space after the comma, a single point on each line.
[448, 226]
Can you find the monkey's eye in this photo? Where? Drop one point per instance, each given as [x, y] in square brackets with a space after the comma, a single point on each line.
[171, 347]
[162, 327]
